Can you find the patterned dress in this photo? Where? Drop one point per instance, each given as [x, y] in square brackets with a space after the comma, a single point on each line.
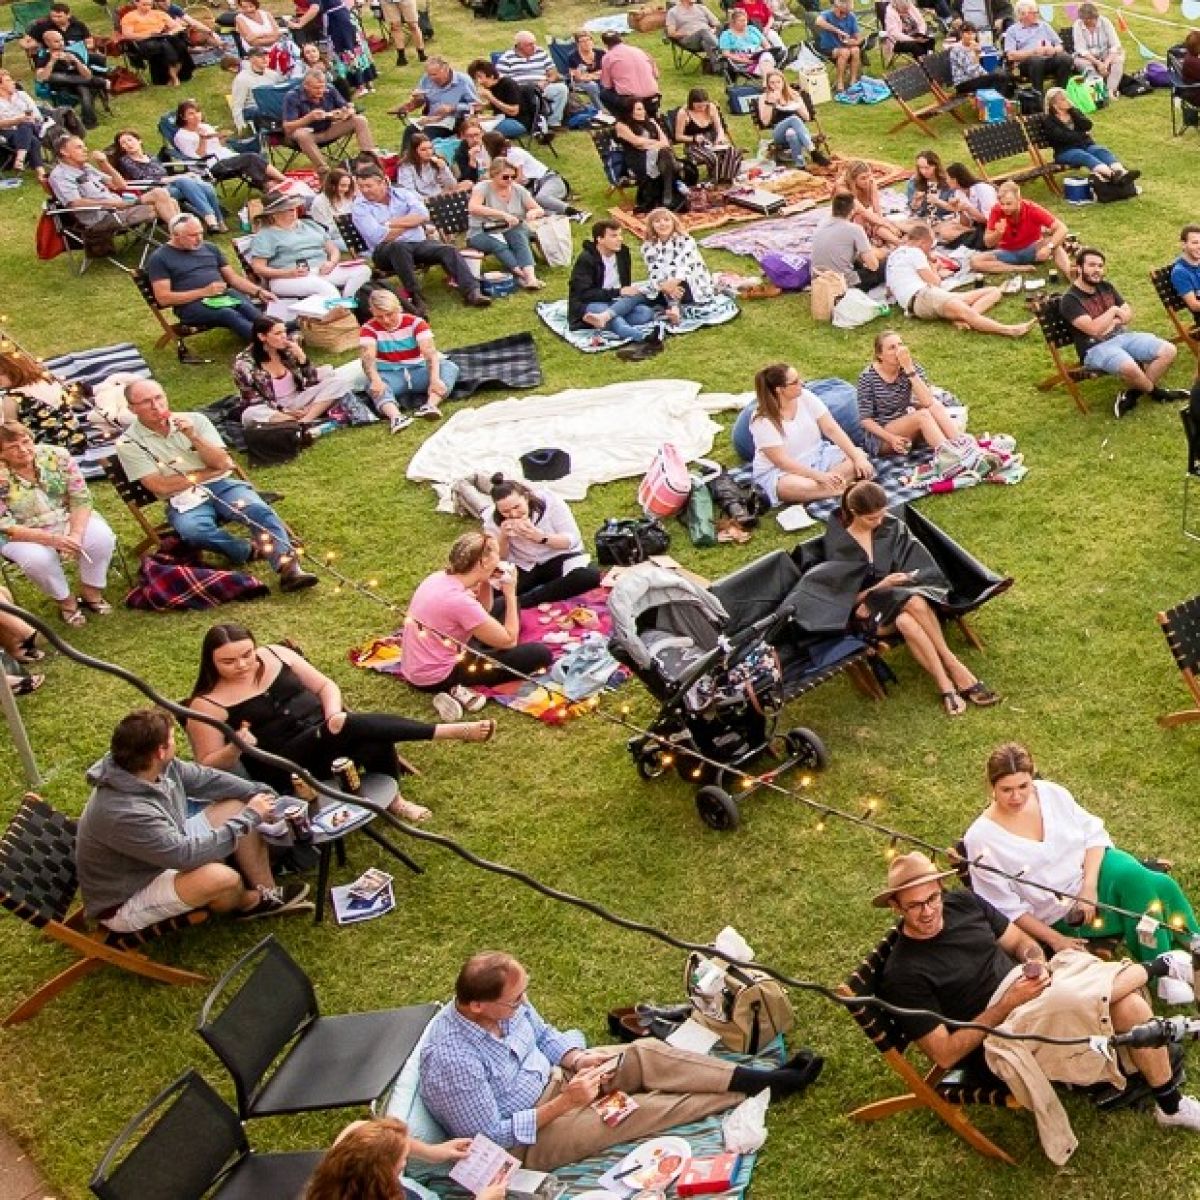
[350, 49]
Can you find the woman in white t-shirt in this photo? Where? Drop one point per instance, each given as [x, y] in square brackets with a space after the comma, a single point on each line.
[800, 452]
[971, 199]
[197, 140]
[537, 533]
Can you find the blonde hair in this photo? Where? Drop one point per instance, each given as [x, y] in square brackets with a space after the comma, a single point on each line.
[382, 300]
[788, 94]
[468, 551]
[677, 226]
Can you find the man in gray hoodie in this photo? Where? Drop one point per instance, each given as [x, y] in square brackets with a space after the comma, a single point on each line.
[156, 832]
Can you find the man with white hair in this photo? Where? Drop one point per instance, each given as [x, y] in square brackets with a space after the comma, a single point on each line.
[315, 114]
[527, 62]
[1032, 45]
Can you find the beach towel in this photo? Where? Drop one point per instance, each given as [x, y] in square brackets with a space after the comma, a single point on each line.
[592, 341]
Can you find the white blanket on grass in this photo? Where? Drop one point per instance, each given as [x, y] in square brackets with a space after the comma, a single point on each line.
[610, 433]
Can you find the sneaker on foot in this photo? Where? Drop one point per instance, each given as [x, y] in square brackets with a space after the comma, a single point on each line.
[278, 902]
[402, 421]
[429, 412]
[1125, 402]
[1188, 1116]
[446, 707]
[471, 701]
[1175, 987]
[1164, 395]
[581, 216]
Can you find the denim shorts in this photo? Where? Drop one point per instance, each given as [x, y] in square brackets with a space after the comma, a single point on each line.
[822, 457]
[1118, 351]
[1025, 257]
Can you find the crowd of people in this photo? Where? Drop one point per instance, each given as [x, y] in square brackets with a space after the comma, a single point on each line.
[161, 837]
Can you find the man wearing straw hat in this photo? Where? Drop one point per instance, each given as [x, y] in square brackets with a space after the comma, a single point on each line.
[956, 956]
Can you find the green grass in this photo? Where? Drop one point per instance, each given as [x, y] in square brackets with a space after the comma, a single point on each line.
[1092, 537]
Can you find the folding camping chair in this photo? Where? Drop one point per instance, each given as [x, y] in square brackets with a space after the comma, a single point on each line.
[1181, 628]
[612, 159]
[1177, 311]
[920, 100]
[1059, 338]
[173, 330]
[267, 122]
[1022, 139]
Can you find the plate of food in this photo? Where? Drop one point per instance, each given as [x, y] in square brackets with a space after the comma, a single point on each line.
[651, 1166]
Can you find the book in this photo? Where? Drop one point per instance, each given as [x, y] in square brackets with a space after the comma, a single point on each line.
[614, 1108]
[349, 909]
[486, 1164]
[708, 1176]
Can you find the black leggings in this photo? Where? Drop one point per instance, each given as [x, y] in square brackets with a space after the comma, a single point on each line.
[163, 52]
[500, 666]
[250, 167]
[546, 581]
[368, 739]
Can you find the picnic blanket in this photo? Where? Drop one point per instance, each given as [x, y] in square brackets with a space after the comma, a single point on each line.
[704, 1137]
[609, 432]
[893, 473]
[593, 341]
[577, 633]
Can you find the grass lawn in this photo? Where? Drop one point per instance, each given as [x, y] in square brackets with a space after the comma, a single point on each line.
[1092, 537]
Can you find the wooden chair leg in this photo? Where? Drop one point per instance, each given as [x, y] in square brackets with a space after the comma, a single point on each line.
[1187, 717]
[128, 960]
[969, 635]
[886, 1108]
[34, 1004]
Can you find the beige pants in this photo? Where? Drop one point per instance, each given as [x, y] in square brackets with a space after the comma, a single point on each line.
[671, 1087]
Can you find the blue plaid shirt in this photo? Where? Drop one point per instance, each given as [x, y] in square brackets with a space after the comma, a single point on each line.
[475, 1082]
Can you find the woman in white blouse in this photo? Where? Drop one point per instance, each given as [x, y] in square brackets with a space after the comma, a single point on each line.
[1098, 49]
[674, 265]
[199, 141]
[537, 533]
[1036, 829]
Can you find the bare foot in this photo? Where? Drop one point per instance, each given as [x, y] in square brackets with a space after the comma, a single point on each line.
[597, 320]
[1016, 331]
[407, 811]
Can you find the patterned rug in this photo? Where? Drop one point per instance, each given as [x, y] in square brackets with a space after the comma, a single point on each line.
[592, 341]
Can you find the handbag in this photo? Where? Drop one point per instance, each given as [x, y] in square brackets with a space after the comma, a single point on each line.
[745, 1008]
[856, 308]
[553, 234]
[274, 443]
[48, 240]
[700, 516]
[646, 20]
[827, 288]
[1081, 94]
[338, 332]
[621, 543]
[665, 488]
[122, 80]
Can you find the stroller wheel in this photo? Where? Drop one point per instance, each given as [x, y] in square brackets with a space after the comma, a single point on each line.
[649, 762]
[717, 808]
[808, 749]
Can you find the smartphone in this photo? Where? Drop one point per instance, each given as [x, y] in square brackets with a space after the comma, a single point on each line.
[611, 1066]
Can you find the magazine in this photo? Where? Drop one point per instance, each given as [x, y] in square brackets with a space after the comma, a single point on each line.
[486, 1164]
[349, 909]
[338, 818]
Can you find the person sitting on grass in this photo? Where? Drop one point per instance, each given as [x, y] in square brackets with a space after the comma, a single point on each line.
[402, 363]
[1021, 235]
[539, 1106]
[452, 640]
[547, 187]
[142, 859]
[877, 580]
[800, 452]
[839, 244]
[1069, 133]
[675, 266]
[971, 203]
[277, 700]
[602, 295]
[957, 957]
[858, 182]
[917, 286]
[277, 382]
[538, 534]
[1099, 317]
[896, 405]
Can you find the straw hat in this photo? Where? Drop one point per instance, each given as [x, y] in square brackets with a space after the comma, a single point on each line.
[278, 202]
[905, 871]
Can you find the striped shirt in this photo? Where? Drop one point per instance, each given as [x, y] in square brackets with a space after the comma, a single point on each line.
[884, 402]
[399, 346]
[533, 69]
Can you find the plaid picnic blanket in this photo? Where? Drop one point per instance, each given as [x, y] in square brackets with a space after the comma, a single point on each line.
[174, 579]
[592, 341]
[507, 362]
[893, 473]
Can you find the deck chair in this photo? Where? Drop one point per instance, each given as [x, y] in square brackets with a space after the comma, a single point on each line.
[266, 120]
[322, 1062]
[612, 159]
[187, 1143]
[1059, 341]
[1003, 141]
[39, 884]
[944, 1093]
[350, 235]
[683, 59]
[1181, 628]
[920, 101]
[173, 330]
[85, 245]
[233, 189]
[1186, 323]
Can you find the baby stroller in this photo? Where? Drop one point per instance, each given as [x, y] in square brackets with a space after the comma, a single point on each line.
[721, 690]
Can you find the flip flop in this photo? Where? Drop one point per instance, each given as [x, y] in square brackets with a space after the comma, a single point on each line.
[980, 695]
[953, 703]
[27, 684]
[488, 729]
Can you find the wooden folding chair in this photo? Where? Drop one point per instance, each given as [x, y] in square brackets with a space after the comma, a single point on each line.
[1185, 334]
[920, 101]
[1002, 141]
[38, 883]
[173, 331]
[1059, 338]
[1181, 627]
[944, 1093]
[136, 498]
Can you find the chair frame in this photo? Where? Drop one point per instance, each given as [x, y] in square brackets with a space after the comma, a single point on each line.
[1171, 621]
[1065, 374]
[911, 83]
[173, 331]
[1192, 433]
[985, 141]
[1172, 301]
[891, 1044]
[75, 240]
[61, 923]
[604, 139]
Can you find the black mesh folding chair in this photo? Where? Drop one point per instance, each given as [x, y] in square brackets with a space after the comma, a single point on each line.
[324, 1062]
[1181, 628]
[448, 214]
[1186, 322]
[187, 1143]
[919, 99]
[174, 331]
[1059, 340]
[1002, 142]
[38, 883]
[350, 235]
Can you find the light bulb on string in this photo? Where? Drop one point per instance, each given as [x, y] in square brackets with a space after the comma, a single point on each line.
[372, 584]
[891, 850]
[806, 781]
[820, 825]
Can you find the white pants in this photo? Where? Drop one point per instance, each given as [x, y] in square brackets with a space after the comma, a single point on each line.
[44, 566]
[329, 386]
[341, 281]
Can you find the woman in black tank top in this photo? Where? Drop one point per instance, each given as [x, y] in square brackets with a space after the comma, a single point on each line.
[277, 700]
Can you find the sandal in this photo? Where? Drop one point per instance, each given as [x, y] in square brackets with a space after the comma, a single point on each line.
[480, 731]
[74, 617]
[26, 684]
[101, 607]
[980, 695]
[407, 811]
[953, 703]
[28, 651]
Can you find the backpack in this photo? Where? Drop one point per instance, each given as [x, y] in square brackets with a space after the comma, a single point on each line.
[1029, 101]
[793, 273]
[621, 543]
[665, 489]
[1107, 191]
[745, 1008]
[1134, 85]
[1158, 75]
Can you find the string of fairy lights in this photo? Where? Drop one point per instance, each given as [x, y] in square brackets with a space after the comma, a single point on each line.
[690, 762]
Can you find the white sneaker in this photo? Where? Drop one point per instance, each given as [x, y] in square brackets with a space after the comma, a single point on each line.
[447, 707]
[471, 701]
[1188, 1116]
[1176, 986]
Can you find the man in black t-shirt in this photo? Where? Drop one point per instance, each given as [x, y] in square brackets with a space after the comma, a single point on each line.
[517, 104]
[1099, 318]
[953, 953]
